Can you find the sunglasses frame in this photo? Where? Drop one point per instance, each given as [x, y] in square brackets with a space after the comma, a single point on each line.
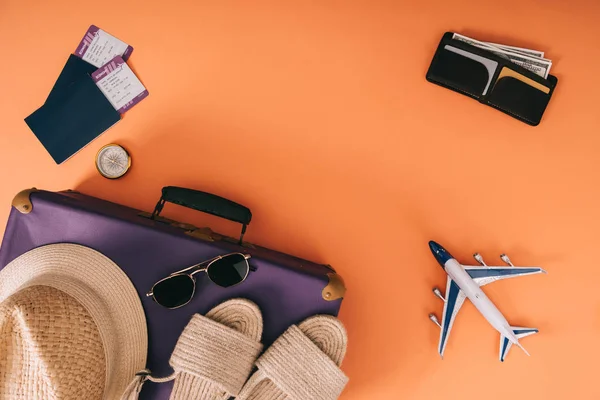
[199, 269]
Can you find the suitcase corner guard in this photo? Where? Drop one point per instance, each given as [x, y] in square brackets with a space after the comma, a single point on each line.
[336, 289]
[22, 201]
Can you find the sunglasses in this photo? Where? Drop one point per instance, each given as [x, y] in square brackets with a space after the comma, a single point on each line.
[177, 289]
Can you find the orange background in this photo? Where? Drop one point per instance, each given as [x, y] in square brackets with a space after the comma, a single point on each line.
[317, 116]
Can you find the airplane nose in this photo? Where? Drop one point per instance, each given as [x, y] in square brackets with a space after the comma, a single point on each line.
[440, 253]
[434, 246]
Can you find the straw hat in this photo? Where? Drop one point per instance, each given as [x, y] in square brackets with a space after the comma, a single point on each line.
[71, 326]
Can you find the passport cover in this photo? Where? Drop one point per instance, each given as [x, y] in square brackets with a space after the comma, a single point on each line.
[75, 114]
[74, 69]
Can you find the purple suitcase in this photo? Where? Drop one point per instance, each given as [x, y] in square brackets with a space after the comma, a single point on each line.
[149, 247]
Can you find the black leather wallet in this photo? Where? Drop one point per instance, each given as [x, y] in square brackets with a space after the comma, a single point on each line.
[491, 79]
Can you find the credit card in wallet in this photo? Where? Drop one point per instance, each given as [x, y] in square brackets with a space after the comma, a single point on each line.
[490, 65]
[514, 74]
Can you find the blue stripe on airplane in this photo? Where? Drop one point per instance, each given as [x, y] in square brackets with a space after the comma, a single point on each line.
[504, 346]
[492, 272]
[520, 331]
[451, 297]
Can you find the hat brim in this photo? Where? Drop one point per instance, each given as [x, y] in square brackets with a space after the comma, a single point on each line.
[103, 289]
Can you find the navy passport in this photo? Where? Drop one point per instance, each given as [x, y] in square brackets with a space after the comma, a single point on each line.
[75, 113]
[74, 70]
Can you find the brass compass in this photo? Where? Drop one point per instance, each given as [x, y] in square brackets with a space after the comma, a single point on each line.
[113, 161]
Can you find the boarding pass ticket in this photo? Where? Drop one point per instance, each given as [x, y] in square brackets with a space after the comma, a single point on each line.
[99, 47]
[119, 84]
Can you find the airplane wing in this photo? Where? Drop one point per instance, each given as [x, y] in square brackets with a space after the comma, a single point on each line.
[454, 301]
[486, 275]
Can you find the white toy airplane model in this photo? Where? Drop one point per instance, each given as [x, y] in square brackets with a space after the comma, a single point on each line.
[465, 282]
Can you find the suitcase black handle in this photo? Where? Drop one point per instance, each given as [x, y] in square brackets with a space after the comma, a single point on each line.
[205, 202]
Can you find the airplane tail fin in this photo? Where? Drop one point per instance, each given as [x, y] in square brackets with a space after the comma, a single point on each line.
[519, 332]
[523, 348]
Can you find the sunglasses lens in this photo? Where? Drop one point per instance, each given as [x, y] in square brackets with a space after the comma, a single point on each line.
[174, 291]
[228, 271]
